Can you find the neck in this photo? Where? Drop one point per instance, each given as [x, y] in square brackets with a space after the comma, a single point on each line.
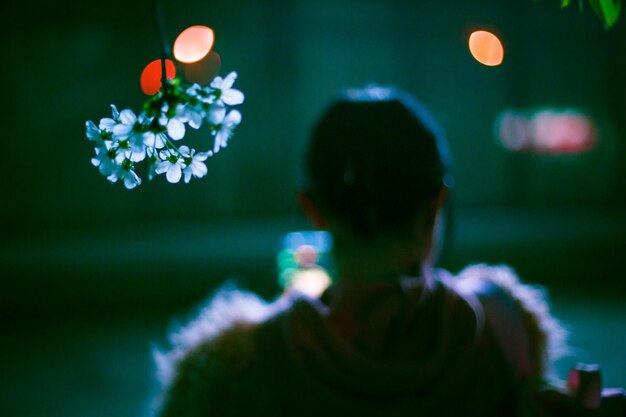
[379, 262]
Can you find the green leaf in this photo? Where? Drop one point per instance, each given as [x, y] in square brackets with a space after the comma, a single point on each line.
[607, 10]
[564, 3]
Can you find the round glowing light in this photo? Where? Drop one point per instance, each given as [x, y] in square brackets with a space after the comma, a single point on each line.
[205, 70]
[193, 44]
[486, 48]
[306, 255]
[312, 282]
[562, 132]
[513, 129]
[151, 76]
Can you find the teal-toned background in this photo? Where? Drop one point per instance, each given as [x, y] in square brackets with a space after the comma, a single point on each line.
[91, 274]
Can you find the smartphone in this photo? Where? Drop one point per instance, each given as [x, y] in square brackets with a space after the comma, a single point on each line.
[304, 262]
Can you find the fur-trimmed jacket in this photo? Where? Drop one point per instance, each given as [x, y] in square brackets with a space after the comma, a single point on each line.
[433, 346]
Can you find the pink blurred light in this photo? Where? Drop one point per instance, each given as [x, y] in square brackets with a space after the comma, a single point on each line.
[562, 132]
[546, 131]
[306, 255]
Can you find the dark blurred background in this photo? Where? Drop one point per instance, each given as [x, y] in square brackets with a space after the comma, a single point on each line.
[91, 274]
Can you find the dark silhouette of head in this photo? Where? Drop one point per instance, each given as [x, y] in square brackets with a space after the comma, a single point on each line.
[375, 161]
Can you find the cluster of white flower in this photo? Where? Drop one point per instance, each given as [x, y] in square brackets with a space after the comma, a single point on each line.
[125, 139]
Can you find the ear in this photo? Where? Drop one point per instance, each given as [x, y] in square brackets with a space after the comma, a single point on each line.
[442, 197]
[311, 210]
[433, 224]
[430, 216]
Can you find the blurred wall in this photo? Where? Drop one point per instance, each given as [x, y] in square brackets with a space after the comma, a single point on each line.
[66, 62]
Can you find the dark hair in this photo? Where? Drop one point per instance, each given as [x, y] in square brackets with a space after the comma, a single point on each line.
[376, 157]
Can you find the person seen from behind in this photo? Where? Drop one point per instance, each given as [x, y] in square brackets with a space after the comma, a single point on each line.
[393, 335]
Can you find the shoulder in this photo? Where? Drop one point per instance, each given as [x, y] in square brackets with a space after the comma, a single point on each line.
[503, 282]
[212, 354]
[506, 297]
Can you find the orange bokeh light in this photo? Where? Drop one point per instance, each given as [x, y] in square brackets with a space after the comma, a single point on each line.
[151, 76]
[193, 44]
[486, 48]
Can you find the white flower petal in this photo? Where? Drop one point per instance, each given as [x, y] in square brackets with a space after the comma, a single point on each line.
[195, 119]
[232, 97]
[152, 171]
[136, 141]
[228, 81]
[187, 171]
[156, 140]
[149, 138]
[202, 156]
[122, 131]
[92, 131]
[128, 117]
[162, 167]
[184, 150]
[199, 169]
[217, 82]
[144, 119]
[159, 141]
[216, 115]
[175, 129]
[129, 183]
[113, 177]
[119, 158]
[108, 166]
[233, 118]
[209, 98]
[116, 114]
[220, 140]
[138, 155]
[193, 90]
[107, 124]
[181, 112]
[131, 180]
[174, 173]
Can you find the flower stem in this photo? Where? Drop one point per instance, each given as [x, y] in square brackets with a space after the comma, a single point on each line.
[171, 145]
[161, 28]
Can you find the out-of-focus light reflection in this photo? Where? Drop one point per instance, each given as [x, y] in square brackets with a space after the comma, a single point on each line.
[546, 131]
[150, 79]
[567, 132]
[513, 130]
[193, 44]
[312, 281]
[205, 70]
[486, 48]
[304, 261]
[305, 255]
[319, 239]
